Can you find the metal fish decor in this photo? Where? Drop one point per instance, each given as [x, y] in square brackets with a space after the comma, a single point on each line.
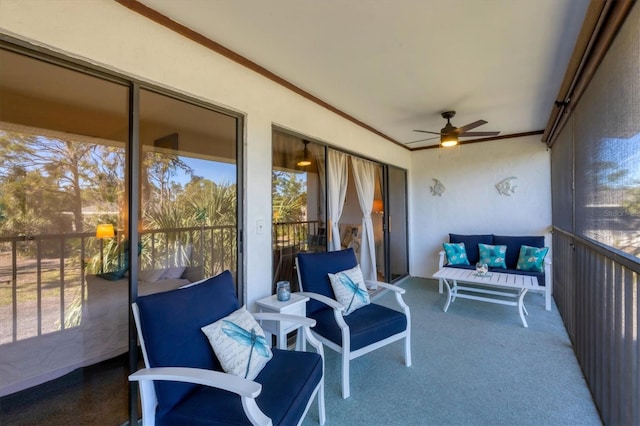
[437, 188]
[506, 187]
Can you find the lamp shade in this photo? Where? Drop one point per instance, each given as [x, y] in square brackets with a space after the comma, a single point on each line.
[377, 206]
[104, 230]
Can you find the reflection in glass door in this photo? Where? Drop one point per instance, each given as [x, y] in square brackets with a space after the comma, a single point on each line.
[396, 224]
[188, 190]
[62, 184]
[298, 199]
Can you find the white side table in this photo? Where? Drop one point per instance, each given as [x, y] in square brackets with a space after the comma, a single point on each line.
[296, 305]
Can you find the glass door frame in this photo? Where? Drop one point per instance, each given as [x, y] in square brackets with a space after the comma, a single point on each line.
[386, 224]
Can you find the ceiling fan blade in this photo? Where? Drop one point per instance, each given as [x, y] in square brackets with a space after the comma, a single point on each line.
[426, 131]
[470, 126]
[421, 140]
[470, 134]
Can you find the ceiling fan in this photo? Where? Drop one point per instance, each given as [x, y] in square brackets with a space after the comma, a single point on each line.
[449, 134]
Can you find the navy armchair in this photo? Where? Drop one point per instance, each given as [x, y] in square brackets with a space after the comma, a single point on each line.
[183, 382]
[363, 330]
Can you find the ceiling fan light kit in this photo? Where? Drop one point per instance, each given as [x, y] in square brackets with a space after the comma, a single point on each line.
[448, 140]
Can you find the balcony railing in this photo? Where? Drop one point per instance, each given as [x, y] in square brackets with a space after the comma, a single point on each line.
[596, 292]
[304, 235]
[289, 238]
[42, 277]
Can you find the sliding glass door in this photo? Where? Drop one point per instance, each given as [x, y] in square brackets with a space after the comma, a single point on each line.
[67, 150]
[351, 203]
[63, 142]
[298, 203]
[396, 224]
[188, 189]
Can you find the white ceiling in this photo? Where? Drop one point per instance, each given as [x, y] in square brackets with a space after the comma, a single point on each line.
[397, 64]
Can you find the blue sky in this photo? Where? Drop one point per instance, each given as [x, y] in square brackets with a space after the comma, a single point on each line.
[625, 154]
[214, 171]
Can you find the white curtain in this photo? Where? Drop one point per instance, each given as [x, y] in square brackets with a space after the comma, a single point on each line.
[364, 175]
[323, 189]
[337, 178]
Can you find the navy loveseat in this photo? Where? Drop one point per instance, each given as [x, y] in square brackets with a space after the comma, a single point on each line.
[513, 244]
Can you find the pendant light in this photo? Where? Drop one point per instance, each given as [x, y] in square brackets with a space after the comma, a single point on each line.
[304, 160]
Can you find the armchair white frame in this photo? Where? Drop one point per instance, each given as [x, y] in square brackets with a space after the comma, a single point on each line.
[345, 348]
[248, 390]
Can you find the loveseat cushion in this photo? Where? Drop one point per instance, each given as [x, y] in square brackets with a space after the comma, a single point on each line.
[177, 316]
[513, 246]
[367, 325]
[471, 244]
[284, 401]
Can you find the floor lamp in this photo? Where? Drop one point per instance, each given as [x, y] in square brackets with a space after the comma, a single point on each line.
[103, 230]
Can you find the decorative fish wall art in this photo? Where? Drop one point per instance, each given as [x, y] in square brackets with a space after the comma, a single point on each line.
[437, 188]
[506, 187]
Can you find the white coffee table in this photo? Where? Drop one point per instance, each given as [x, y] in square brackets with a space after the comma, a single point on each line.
[509, 285]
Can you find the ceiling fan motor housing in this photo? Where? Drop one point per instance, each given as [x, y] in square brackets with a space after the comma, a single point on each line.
[448, 128]
[447, 115]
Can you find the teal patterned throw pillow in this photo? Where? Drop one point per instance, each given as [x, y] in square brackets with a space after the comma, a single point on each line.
[493, 255]
[456, 253]
[350, 290]
[239, 344]
[532, 258]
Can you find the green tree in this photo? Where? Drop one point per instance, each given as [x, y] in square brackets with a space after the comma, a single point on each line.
[631, 203]
[52, 177]
[289, 195]
[215, 203]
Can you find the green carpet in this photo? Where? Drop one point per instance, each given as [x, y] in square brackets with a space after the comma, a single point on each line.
[473, 365]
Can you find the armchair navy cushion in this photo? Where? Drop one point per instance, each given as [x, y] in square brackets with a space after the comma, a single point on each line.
[368, 328]
[207, 406]
[172, 319]
[169, 324]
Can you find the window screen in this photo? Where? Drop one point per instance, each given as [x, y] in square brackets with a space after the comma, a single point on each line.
[607, 148]
[562, 179]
